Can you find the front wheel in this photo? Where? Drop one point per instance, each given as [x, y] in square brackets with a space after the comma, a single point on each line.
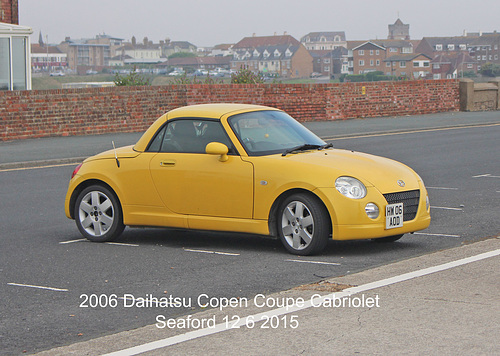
[98, 214]
[303, 225]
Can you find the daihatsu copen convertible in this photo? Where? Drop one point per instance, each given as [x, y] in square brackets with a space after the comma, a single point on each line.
[245, 168]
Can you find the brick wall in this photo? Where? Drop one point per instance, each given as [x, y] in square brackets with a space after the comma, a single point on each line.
[43, 113]
[9, 11]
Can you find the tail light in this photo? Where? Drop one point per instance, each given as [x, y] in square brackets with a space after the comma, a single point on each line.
[76, 170]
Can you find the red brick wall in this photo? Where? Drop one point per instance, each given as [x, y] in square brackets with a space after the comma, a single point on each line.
[9, 11]
[43, 113]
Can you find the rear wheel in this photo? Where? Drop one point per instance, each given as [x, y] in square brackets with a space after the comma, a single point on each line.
[303, 224]
[98, 214]
[388, 238]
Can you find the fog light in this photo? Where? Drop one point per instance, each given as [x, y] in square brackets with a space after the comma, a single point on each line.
[371, 210]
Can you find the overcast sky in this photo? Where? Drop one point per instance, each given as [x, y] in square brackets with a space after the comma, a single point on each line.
[211, 22]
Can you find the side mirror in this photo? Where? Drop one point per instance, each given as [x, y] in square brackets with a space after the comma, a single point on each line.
[218, 149]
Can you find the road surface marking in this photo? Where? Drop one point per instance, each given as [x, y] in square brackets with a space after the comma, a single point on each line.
[408, 132]
[443, 188]
[441, 235]
[120, 244]
[317, 262]
[71, 241]
[28, 168]
[446, 208]
[191, 335]
[38, 287]
[213, 252]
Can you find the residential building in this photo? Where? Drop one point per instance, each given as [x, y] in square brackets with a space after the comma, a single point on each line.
[223, 50]
[83, 56]
[399, 31]
[371, 56]
[330, 63]
[486, 49]
[367, 57]
[194, 63]
[321, 41]
[452, 66]
[170, 47]
[282, 56]
[413, 66]
[9, 11]
[146, 52]
[482, 47]
[15, 70]
[47, 58]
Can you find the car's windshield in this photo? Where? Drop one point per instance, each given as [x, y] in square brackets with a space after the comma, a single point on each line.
[270, 132]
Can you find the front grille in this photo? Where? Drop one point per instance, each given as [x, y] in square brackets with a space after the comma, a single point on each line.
[410, 200]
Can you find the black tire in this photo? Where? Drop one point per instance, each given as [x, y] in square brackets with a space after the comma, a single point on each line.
[388, 239]
[98, 214]
[303, 224]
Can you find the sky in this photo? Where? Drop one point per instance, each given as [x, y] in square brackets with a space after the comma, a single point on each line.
[209, 22]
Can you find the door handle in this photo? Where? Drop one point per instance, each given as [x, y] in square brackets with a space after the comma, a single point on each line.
[167, 163]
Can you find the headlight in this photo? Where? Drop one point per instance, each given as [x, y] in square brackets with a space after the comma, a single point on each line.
[350, 187]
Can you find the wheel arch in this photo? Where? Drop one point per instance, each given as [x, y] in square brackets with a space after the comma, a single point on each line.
[272, 219]
[85, 184]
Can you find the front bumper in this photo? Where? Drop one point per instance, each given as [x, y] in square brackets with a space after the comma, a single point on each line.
[350, 221]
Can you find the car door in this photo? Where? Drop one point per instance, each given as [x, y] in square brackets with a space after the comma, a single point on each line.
[192, 182]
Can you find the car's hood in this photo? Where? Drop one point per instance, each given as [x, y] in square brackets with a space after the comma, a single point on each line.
[121, 152]
[383, 173]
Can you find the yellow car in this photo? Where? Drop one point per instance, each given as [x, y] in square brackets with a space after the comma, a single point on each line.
[245, 168]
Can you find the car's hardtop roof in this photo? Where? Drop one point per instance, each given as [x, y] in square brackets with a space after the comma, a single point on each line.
[214, 111]
[208, 111]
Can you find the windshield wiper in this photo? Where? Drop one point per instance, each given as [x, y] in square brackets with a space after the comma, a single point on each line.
[304, 147]
[328, 145]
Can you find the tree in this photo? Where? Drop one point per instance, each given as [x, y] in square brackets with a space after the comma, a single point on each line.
[131, 79]
[490, 70]
[182, 55]
[246, 76]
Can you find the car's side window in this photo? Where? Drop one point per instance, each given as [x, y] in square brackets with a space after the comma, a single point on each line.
[190, 136]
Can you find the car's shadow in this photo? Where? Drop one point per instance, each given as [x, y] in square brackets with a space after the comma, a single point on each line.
[242, 243]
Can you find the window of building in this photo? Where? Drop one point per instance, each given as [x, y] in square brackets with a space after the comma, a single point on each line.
[371, 62]
[387, 64]
[361, 52]
[439, 47]
[361, 62]
[463, 47]
[15, 73]
[371, 52]
[326, 60]
[470, 66]
[484, 58]
[327, 68]
[393, 50]
[377, 52]
[436, 66]
[378, 62]
[402, 64]
[451, 47]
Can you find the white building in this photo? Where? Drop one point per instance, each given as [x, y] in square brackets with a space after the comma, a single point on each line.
[15, 63]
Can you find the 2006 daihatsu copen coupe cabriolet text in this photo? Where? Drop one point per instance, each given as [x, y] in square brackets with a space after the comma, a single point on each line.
[245, 168]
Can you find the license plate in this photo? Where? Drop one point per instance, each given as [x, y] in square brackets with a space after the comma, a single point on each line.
[393, 216]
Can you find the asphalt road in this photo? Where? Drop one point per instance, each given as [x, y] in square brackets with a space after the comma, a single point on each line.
[459, 166]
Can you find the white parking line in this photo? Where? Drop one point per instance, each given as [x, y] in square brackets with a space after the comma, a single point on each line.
[441, 235]
[71, 241]
[38, 287]
[442, 188]
[316, 262]
[120, 244]
[446, 208]
[212, 252]
[191, 335]
[485, 176]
